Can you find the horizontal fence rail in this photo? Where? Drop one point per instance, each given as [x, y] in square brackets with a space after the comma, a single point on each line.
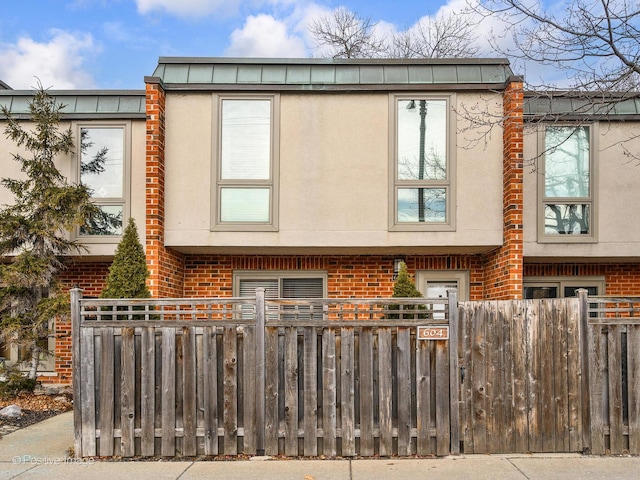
[614, 310]
[305, 377]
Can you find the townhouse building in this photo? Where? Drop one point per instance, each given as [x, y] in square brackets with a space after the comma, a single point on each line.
[317, 177]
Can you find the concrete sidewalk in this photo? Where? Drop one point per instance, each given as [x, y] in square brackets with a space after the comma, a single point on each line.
[40, 451]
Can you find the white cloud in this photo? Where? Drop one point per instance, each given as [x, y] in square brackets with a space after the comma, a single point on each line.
[58, 64]
[189, 8]
[264, 36]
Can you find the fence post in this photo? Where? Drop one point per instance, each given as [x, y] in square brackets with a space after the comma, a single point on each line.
[454, 374]
[260, 374]
[584, 381]
[76, 295]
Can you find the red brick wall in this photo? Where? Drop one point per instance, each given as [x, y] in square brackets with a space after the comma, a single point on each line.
[357, 276]
[91, 278]
[166, 267]
[503, 267]
[621, 279]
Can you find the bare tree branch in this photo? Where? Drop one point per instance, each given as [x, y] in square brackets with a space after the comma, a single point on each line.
[446, 36]
[347, 35]
[597, 42]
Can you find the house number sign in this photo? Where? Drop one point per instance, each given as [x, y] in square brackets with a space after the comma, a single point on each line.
[436, 332]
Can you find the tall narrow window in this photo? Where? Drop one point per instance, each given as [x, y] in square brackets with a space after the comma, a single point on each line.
[422, 167]
[245, 181]
[102, 169]
[567, 206]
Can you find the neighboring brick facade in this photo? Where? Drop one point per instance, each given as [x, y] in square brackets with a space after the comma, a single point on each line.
[621, 279]
[91, 278]
[503, 266]
[166, 267]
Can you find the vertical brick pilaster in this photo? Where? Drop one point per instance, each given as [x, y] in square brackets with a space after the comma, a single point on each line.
[166, 267]
[504, 266]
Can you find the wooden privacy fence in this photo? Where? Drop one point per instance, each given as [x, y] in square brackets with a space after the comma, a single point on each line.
[553, 375]
[250, 376]
[352, 377]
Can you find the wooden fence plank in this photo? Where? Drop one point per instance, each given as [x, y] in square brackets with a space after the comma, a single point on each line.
[76, 358]
[230, 390]
[291, 391]
[423, 397]
[597, 391]
[329, 391]
[168, 444]
[385, 391]
[404, 390]
[443, 406]
[466, 366]
[505, 367]
[147, 392]
[310, 380]
[478, 377]
[106, 391]
[493, 373]
[454, 371]
[366, 392]
[347, 394]
[614, 350]
[179, 407]
[189, 400]
[534, 353]
[210, 387]
[586, 336]
[574, 374]
[633, 369]
[560, 372]
[88, 399]
[271, 391]
[546, 377]
[127, 393]
[518, 358]
[249, 366]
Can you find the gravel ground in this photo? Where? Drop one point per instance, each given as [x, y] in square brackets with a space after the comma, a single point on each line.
[35, 408]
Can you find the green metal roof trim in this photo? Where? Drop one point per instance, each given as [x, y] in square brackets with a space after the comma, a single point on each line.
[82, 104]
[580, 106]
[305, 73]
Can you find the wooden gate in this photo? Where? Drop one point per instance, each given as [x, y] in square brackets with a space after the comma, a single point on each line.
[234, 376]
[555, 375]
[523, 389]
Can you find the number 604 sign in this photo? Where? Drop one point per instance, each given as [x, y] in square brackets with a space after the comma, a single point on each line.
[436, 332]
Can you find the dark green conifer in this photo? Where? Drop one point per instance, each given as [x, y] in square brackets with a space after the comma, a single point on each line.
[405, 288]
[128, 273]
[34, 229]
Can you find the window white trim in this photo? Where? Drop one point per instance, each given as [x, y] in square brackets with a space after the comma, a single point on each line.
[272, 183]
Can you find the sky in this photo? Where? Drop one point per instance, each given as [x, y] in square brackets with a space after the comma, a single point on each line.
[113, 44]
